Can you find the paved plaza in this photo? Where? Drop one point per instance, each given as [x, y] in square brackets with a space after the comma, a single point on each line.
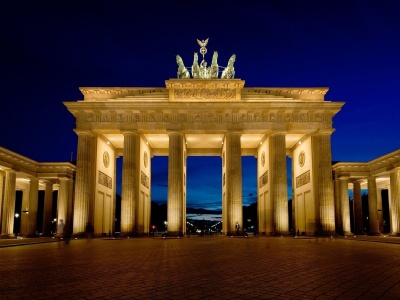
[216, 267]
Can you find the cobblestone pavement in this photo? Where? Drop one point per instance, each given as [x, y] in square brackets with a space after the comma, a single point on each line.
[202, 268]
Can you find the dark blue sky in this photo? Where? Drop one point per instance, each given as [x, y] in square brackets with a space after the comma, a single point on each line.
[50, 48]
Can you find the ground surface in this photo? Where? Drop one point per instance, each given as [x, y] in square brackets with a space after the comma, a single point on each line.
[215, 267]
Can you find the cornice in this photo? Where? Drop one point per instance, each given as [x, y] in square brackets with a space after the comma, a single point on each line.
[19, 163]
[382, 164]
[213, 90]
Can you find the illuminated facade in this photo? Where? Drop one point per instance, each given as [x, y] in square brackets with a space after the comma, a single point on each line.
[207, 117]
[216, 117]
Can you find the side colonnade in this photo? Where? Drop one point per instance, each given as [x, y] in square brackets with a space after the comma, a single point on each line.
[378, 182]
[24, 179]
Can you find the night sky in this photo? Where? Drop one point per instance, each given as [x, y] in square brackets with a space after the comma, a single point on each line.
[50, 48]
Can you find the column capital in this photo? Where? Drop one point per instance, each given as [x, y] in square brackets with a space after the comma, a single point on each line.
[394, 169]
[129, 132]
[84, 132]
[175, 133]
[278, 132]
[9, 171]
[324, 131]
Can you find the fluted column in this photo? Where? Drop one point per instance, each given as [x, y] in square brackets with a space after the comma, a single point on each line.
[7, 228]
[379, 208]
[372, 207]
[33, 207]
[130, 179]
[24, 212]
[47, 209]
[233, 181]
[338, 208]
[62, 205]
[357, 202]
[2, 177]
[175, 184]
[83, 189]
[345, 206]
[277, 154]
[70, 210]
[394, 202]
[324, 185]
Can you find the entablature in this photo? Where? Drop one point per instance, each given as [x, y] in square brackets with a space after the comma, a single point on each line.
[203, 90]
[27, 168]
[380, 166]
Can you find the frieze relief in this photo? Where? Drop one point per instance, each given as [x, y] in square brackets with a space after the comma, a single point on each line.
[204, 94]
[144, 179]
[224, 117]
[105, 180]
[263, 180]
[303, 179]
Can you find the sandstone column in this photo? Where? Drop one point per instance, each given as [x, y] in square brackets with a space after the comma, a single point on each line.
[357, 203]
[33, 207]
[324, 182]
[279, 196]
[130, 179]
[372, 207]
[24, 212]
[233, 181]
[394, 202]
[2, 177]
[83, 180]
[175, 184]
[47, 209]
[62, 205]
[345, 206]
[338, 208]
[7, 228]
[379, 208]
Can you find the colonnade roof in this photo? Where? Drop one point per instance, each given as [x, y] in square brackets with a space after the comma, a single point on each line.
[379, 168]
[26, 168]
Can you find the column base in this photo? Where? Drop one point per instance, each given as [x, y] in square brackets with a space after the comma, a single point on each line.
[7, 236]
[237, 233]
[30, 236]
[174, 234]
[374, 234]
[347, 233]
[396, 234]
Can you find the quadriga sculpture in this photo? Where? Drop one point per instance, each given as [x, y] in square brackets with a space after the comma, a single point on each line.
[182, 71]
[229, 71]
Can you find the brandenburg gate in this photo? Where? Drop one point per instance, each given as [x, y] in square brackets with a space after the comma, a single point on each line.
[204, 112]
